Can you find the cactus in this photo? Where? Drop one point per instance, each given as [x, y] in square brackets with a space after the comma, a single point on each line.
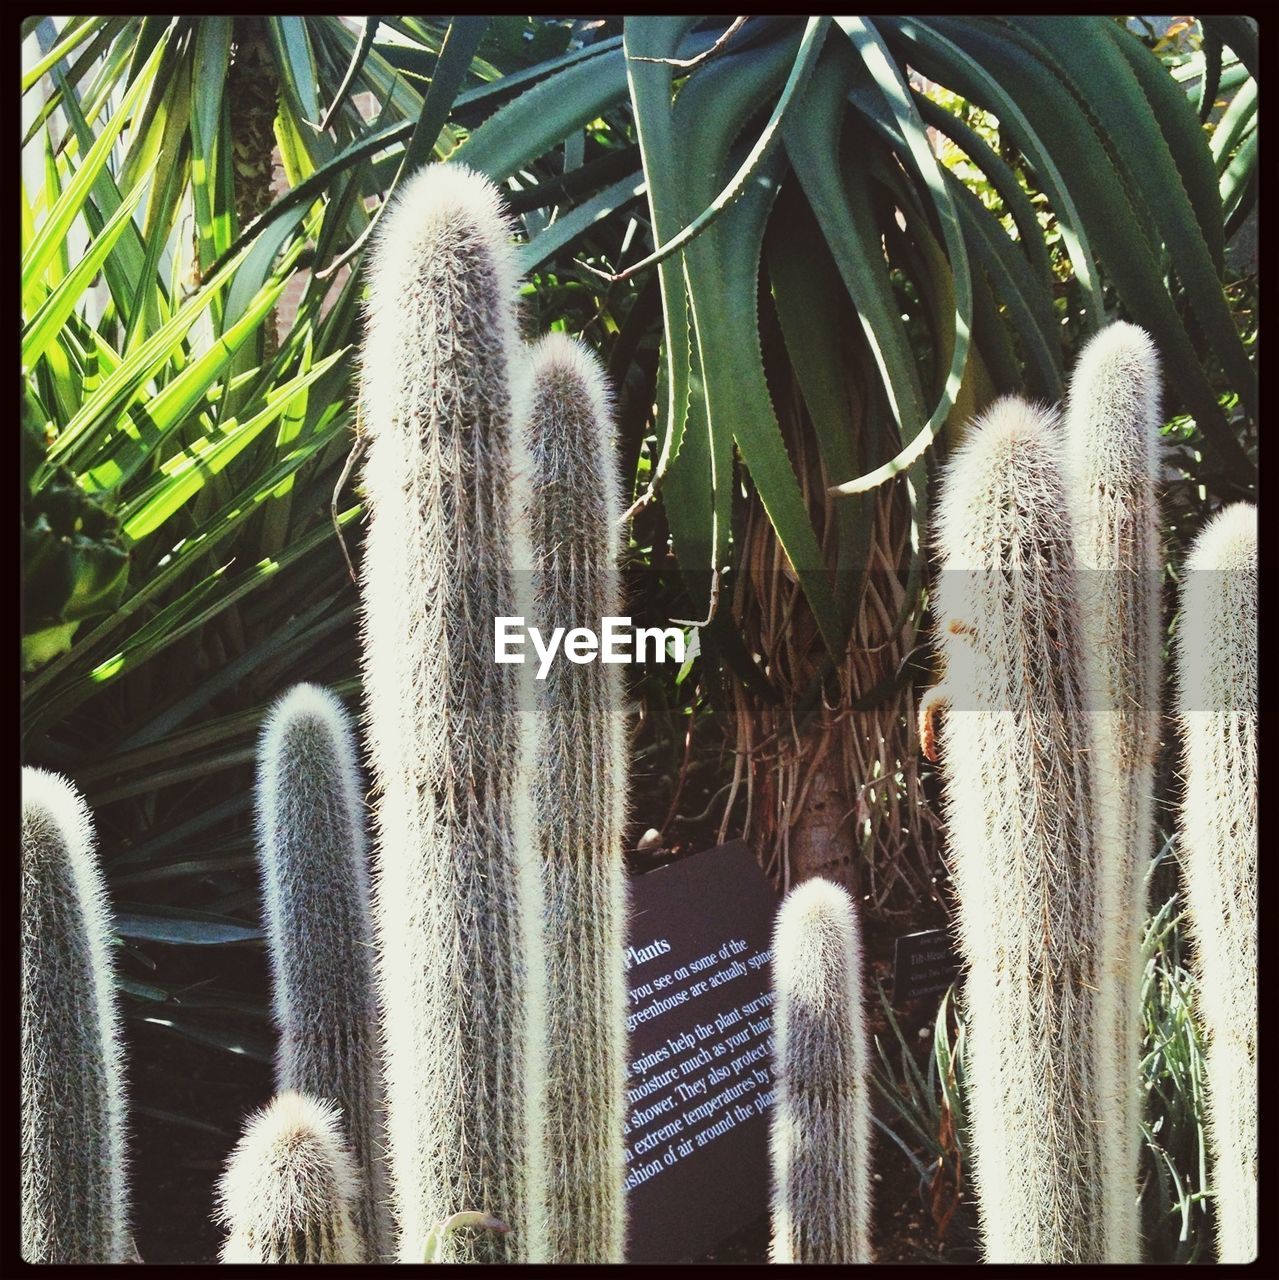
[580, 803]
[316, 895]
[820, 1129]
[74, 1190]
[1217, 712]
[1020, 758]
[1112, 437]
[290, 1188]
[457, 893]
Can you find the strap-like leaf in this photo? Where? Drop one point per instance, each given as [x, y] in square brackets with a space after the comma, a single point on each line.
[1079, 51]
[876, 59]
[944, 60]
[53, 231]
[654, 40]
[62, 301]
[521, 131]
[1113, 224]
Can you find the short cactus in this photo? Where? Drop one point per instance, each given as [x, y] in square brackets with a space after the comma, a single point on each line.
[1020, 760]
[1217, 711]
[319, 928]
[1112, 438]
[457, 891]
[74, 1188]
[580, 804]
[821, 1119]
[290, 1188]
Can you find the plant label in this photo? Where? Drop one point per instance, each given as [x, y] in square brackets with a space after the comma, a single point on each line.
[924, 964]
[700, 1087]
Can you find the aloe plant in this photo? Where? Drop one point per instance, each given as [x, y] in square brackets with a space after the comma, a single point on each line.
[74, 1176]
[1021, 765]
[579, 799]
[1111, 446]
[290, 1188]
[452, 733]
[316, 896]
[1217, 713]
[820, 1135]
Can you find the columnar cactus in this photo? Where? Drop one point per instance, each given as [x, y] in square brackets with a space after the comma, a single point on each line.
[580, 804]
[1217, 711]
[319, 927]
[290, 1188]
[74, 1192]
[820, 1134]
[457, 893]
[1020, 761]
[1112, 437]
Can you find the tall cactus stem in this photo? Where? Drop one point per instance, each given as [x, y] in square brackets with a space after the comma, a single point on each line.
[821, 1119]
[580, 802]
[74, 1186]
[452, 732]
[1020, 758]
[315, 885]
[290, 1189]
[1217, 712]
[1112, 440]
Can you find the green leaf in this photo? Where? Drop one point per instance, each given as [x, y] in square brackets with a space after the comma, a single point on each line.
[947, 62]
[533, 123]
[139, 432]
[460, 43]
[1080, 52]
[650, 83]
[74, 34]
[1112, 221]
[572, 226]
[1183, 133]
[62, 301]
[1239, 33]
[191, 928]
[909, 124]
[55, 228]
[187, 471]
[805, 60]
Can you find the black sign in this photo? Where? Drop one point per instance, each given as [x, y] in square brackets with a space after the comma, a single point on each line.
[699, 1013]
[924, 964]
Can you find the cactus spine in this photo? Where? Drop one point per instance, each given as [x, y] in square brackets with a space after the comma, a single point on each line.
[457, 895]
[579, 799]
[74, 1194]
[320, 932]
[820, 1127]
[1217, 711]
[1112, 436]
[1020, 760]
[290, 1188]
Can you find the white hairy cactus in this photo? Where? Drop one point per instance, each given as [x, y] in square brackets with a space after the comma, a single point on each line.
[1217, 711]
[1020, 760]
[74, 1191]
[579, 796]
[290, 1187]
[457, 895]
[1111, 453]
[319, 929]
[820, 1126]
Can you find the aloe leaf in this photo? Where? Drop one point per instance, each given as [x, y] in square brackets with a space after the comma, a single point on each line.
[650, 90]
[1098, 73]
[942, 59]
[522, 130]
